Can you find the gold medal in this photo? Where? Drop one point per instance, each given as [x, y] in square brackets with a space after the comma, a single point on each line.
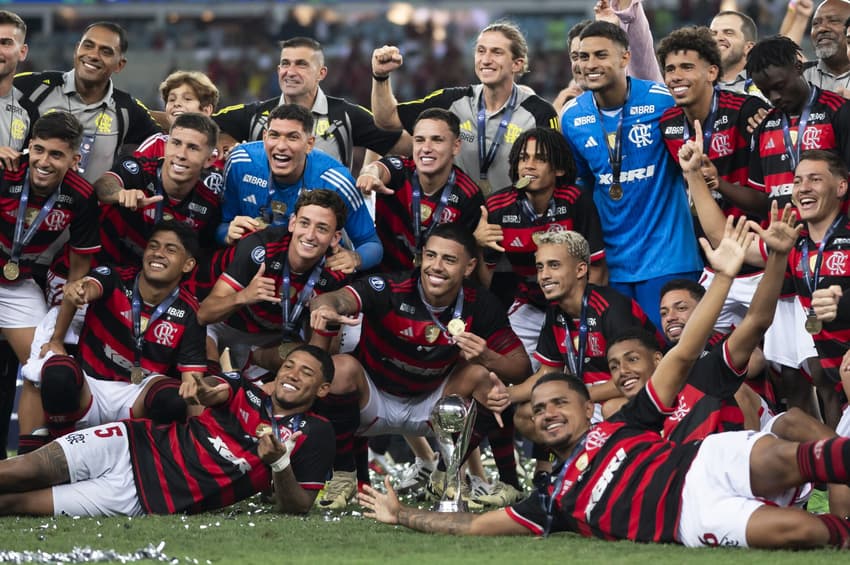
[615, 192]
[522, 182]
[417, 259]
[263, 430]
[136, 375]
[432, 333]
[263, 224]
[456, 326]
[279, 207]
[166, 216]
[30, 215]
[11, 271]
[581, 462]
[143, 323]
[485, 186]
[424, 212]
[285, 348]
[813, 325]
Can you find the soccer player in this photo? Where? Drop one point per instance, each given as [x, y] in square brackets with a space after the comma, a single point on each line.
[338, 125]
[541, 162]
[415, 195]
[804, 117]
[735, 33]
[45, 199]
[579, 322]
[691, 60]
[13, 50]
[248, 438]
[620, 480]
[110, 117]
[614, 133]
[263, 179]
[492, 114]
[140, 347]
[262, 297]
[426, 334]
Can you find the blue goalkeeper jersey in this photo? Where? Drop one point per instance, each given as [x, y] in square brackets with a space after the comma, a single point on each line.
[250, 190]
[648, 231]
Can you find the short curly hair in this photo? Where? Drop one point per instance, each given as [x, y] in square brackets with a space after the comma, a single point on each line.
[691, 38]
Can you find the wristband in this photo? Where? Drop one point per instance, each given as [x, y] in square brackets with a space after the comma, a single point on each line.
[281, 463]
[379, 78]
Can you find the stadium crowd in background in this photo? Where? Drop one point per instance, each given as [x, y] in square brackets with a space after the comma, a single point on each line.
[640, 283]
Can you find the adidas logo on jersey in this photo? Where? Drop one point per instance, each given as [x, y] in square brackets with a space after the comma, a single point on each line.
[517, 242]
[591, 142]
[466, 126]
[770, 144]
[250, 199]
[407, 332]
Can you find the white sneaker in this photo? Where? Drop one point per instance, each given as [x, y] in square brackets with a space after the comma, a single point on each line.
[415, 476]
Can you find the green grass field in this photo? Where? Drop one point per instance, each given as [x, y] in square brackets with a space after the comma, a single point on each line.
[249, 533]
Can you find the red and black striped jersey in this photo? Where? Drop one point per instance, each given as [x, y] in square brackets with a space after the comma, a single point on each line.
[394, 216]
[729, 146]
[75, 210]
[211, 461]
[125, 232]
[828, 127]
[270, 246]
[402, 349]
[571, 208]
[706, 404]
[831, 342]
[625, 484]
[173, 344]
[609, 313]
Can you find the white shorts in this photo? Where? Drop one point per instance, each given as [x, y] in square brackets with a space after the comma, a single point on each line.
[843, 427]
[737, 301]
[101, 474]
[112, 400]
[527, 321]
[717, 500]
[786, 341]
[43, 332]
[349, 336]
[389, 414]
[22, 305]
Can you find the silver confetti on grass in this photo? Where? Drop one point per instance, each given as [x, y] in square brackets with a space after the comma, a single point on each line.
[89, 555]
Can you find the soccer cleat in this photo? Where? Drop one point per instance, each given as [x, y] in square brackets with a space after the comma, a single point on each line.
[478, 486]
[416, 476]
[500, 495]
[338, 491]
[437, 486]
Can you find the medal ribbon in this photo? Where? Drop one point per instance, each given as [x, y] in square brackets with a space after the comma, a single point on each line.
[20, 238]
[138, 334]
[810, 277]
[455, 315]
[295, 422]
[793, 149]
[485, 157]
[267, 211]
[547, 501]
[707, 127]
[528, 210]
[418, 236]
[615, 154]
[290, 320]
[575, 359]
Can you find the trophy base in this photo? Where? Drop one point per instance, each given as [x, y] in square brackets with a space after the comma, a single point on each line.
[451, 506]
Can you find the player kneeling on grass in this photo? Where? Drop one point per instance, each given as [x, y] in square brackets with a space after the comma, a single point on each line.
[245, 439]
[621, 480]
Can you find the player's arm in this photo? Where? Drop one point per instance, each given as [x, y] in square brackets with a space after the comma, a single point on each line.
[385, 507]
[76, 294]
[208, 390]
[290, 497]
[782, 235]
[109, 189]
[385, 60]
[79, 264]
[374, 178]
[726, 260]
[333, 308]
[795, 24]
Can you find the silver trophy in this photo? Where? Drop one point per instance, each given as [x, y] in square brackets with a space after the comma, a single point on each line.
[453, 418]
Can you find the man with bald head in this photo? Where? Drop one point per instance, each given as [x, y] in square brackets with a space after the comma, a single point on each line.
[831, 70]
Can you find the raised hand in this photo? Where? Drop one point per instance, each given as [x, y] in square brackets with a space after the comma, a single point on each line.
[385, 60]
[368, 183]
[487, 234]
[690, 154]
[261, 288]
[239, 227]
[498, 399]
[783, 231]
[343, 260]
[207, 394]
[383, 507]
[729, 255]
